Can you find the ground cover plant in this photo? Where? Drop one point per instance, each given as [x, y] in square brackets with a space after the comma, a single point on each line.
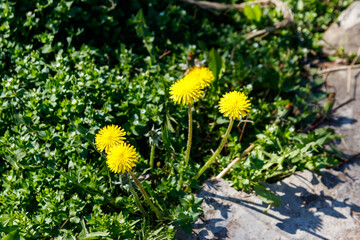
[72, 68]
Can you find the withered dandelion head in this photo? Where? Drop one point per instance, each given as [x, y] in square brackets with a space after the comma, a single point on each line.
[185, 91]
[234, 104]
[109, 136]
[122, 158]
[202, 75]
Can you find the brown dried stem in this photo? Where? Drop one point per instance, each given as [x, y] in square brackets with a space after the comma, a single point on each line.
[284, 8]
[246, 152]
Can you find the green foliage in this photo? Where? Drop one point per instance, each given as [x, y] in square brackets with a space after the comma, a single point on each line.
[142, 31]
[14, 235]
[280, 152]
[253, 12]
[216, 64]
[187, 212]
[267, 196]
[69, 68]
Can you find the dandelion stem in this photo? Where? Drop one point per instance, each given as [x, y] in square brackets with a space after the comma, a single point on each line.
[137, 199]
[152, 156]
[148, 200]
[216, 153]
[108, 173]
[188, 148]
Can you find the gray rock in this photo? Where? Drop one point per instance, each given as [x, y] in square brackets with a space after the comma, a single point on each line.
[346, 111]
[345, 32]
[314, 207]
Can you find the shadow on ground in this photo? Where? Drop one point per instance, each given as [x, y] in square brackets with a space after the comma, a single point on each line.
[313, 206]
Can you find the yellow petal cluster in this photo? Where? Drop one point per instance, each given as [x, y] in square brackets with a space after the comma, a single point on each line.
[234, 104]
[190, 88]
[108, 137]
[202, 75]
[185, 91]
[122, 158]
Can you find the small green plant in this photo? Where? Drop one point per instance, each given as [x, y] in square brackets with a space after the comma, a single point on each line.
[233, 105]
[121, 158]
[186, 91]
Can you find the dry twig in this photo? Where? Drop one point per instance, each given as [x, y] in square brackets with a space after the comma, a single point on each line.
[246, 152]
[242, 130]
[166, 52]
[284, 8]
[343, 161]
[349, 71]
[112, 7]
[339, 68]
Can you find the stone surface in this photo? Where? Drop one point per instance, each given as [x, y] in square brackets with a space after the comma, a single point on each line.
[345, 32]
[346, 111]
[314, 207]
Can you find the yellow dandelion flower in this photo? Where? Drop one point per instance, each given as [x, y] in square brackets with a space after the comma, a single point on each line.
[109, 136]
[234, 104]
[122, 158]
[201, 75]
[185, 91]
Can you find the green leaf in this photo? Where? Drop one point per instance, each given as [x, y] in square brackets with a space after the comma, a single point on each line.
[257, 12]
[300, 5]
[80, 128]
[74, 219]
[157, 231]
[94, 235]
[19, 154]
[13, 159]
[317, 81]
[141, 24]
[68, 4]
[215, 63]
[222, 120]
[142, 31]
[4, 219]
[19, 119]
[187, 228]
[14, 235]
[267, 196]
[47, 48]
[249, 13]
[84, 234]
[253, 12]
[318, 96]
